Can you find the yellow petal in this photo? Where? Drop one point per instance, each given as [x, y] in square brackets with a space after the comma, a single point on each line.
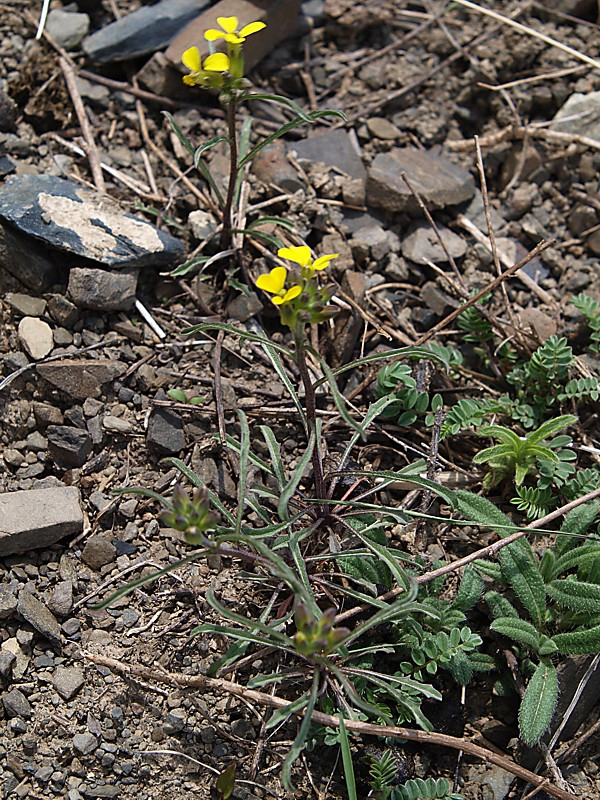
[217, 62]
[212, 35]
[299, 255]
[291, 293]
[277, 300]
[274, 281]
[191, 59]
[252, 27]
[233, 38]
[229, 24]
[323, 261]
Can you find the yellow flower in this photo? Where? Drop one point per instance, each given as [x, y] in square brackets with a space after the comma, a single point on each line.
[303, 257]
[274, 283]
[230, 30]
[217, 62]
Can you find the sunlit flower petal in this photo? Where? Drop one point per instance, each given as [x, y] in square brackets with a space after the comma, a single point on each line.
[217, 62]
[252, 27]
[229, 24]
[212, 35]
[233, 38]
[274, 281]
[191, 59]
[299, 255]
[323, 261]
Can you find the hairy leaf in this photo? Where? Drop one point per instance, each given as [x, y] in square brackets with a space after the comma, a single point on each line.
[538, 704]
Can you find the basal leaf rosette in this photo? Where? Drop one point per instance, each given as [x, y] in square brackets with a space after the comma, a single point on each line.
[297, 293]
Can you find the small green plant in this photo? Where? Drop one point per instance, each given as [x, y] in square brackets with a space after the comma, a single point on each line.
[515, 456]
[560, 595]
[590, 309]
[397, 381]
[383, 773]
[185, 397]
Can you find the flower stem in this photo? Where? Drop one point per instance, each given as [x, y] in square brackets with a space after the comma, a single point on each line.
[311, 416]
[233, 170]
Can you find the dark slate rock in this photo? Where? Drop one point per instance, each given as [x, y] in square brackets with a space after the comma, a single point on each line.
[165, 432]
[26, 260]
[16, 705]
[440, 182]
[69, 447]
[82, 222]
[8, 113]
[334, 148]
[7, 165]
[143, 31]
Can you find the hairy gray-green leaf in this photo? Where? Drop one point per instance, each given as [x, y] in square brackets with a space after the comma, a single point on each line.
[575, 595]
[519, 630]
[538, 704]
[579, 642]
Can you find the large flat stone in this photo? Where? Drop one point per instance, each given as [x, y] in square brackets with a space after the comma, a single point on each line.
[334, 148]
[85, 223]
[145, 30]
[439, 182]
[36, 518]
[81, 378]
[579, 115]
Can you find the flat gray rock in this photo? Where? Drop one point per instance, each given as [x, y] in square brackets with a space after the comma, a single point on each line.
[38, 616]
[81, 379]
[68, 681]
[422, 244]
[143, 31]
[439, 182]
[26, 260]
[334, 148]
[36, 518]
[101, 289]
[85, 223]
[579, 115]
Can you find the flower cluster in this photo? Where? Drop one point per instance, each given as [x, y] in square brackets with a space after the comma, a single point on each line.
[316, 636]
[300, 300]
[192, 515]
[220, 70]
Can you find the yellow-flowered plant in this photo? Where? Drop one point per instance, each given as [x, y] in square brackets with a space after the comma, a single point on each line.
[210, 74]
[301, 300]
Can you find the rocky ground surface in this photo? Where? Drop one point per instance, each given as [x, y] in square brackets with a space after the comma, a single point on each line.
[92, 334]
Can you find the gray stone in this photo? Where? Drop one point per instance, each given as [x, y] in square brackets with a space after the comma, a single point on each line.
[437, 300]
[65, 216]
[13, 457]
[579, 115]
[438, 181]
[26, 260]
[244, 307]
[36, 518]
[36, 442]
[68, 681]
[382, 128]
[38, 616]
[145, 30]
[101, 289]
[67, 28]
[69, 447]
[201, 224]
[272, 167]
[61, 599]
[45, 415]
[8, 113]
[372, 241]
[36, 337]
[422, 244]
[334, 148]
[25, 304]
[62, 310]
[593, 243]
[16, 704]
[116, 424]
[98, 552]
[85, 743]
[7, 661]
[8, 603]
[81, 379]
[165, 432]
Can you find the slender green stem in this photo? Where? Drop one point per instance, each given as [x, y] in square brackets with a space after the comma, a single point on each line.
[311, 416]
[233, 170]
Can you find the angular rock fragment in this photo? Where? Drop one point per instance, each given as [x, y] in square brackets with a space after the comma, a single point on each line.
[165, 432]
[580, 115]
[101, 289]
[69, 447]
[36, 518]
[36, 337]
[145, 30]
[67, 28]
[26, 260]
[80, 221]
[81, 379]
[38, 616]
[334, 148]
[439, 182]
[422, 244]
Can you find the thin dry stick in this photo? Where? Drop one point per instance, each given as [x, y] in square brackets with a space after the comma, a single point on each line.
[180, 680]
[529, 31]
[489, 288]
[90, 148]
[517, 132]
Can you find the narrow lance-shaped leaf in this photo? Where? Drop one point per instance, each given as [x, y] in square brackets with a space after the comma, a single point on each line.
[538, 704]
